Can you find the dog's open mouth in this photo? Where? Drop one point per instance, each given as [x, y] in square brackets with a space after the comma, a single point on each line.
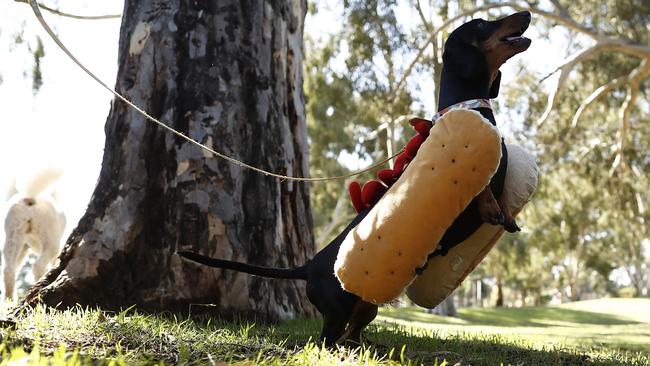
[515, 38]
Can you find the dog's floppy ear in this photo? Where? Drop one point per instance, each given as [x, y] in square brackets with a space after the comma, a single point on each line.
[463, 59]
[494, 88]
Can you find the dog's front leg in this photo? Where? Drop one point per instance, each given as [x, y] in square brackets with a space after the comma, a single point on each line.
[489, 208]
[509, 222]
[496, 212]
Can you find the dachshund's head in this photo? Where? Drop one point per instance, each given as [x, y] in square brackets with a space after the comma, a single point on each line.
[477, 49]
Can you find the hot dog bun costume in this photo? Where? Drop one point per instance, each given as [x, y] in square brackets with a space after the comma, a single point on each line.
[443, 274]
[378, 258]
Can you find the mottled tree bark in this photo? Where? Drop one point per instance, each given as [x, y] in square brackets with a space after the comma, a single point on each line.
[229, 74]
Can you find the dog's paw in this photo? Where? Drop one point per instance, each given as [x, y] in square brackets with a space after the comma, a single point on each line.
[357, 343]
[511, 225]
[491, 213]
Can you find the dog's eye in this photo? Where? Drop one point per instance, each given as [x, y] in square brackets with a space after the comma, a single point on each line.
[481, 24]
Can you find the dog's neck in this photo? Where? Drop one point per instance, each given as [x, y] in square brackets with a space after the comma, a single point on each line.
[455, 90]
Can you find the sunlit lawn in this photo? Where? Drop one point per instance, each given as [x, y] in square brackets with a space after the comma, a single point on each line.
[614, 324]
[602, 333]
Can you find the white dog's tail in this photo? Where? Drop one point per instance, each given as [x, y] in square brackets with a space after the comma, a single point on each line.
[39, 183]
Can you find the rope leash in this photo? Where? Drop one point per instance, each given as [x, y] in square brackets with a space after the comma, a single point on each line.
[35, 7]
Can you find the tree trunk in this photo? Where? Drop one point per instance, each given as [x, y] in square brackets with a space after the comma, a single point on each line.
[647, 277]
[447, 307]
[538, 296]
[573, 286]
[228, 74]
[638, 280]
[499, 302]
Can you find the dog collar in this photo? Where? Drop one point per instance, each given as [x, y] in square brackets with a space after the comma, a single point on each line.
[467, 104]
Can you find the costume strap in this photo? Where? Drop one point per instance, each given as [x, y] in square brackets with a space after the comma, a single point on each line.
[467, 104]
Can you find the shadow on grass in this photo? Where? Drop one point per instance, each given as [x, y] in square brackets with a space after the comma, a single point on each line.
[511, 317]
[485, 350]
[178, 340]
[427, 348]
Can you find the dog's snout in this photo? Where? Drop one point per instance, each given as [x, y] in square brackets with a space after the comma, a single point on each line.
[525, 14]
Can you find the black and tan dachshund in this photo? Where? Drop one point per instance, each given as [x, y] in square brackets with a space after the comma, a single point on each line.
[471, 60]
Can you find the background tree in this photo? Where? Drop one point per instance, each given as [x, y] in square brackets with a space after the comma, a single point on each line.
[355, 110]
[590, 214]
[228, 74]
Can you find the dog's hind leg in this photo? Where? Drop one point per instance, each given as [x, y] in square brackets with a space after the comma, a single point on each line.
[362, 315]
[333, 328]
[14, 254]
[9, 274]
[40, 266]
[335, 318]
[49, 250]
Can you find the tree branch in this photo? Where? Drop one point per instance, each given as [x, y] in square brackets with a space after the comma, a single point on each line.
[625, 46]
[74, 16]
[561, 18]
[603, 43]
[560, 9]
[409, 69]
[566, 69]
[423, 18]
[636, 77]
[595, 95]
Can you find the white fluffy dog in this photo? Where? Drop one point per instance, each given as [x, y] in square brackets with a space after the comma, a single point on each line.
[33, 222]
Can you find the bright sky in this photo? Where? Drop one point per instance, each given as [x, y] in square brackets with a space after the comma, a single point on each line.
[62, 125]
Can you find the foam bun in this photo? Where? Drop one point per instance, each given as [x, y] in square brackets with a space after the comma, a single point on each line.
[378, 258]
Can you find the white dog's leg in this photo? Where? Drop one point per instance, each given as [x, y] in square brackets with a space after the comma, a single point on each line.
[49, 251]
[14, 254]
[42, 263]
[9, 274]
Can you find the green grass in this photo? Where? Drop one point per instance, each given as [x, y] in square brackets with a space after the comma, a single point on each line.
[607, 331]
[621, 324]
[602, 332]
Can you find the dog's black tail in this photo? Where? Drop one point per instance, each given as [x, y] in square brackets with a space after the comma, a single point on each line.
[298, 273]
